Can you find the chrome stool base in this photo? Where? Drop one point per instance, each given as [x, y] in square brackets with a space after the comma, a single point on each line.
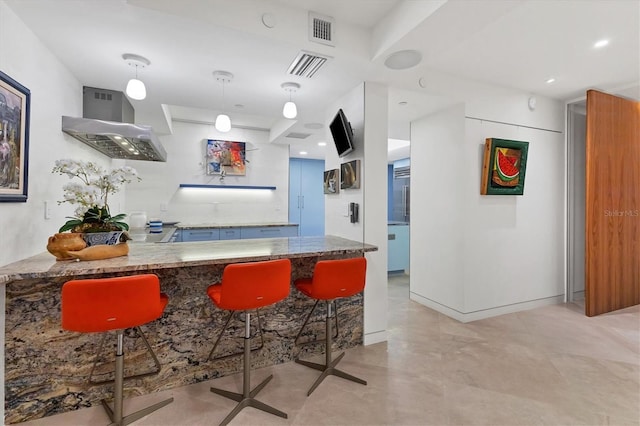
[247, 397]
[328, 368]
[115, 414]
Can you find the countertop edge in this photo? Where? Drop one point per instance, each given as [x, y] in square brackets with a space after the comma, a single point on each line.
[149, 256]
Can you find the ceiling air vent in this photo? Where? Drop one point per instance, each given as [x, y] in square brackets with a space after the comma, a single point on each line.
[296, 135]
[321, 29]
[306, 64]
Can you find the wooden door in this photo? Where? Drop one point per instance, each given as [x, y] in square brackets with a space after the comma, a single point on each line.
[612, 234]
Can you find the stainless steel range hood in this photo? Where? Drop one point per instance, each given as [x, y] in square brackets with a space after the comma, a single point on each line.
[107, 125]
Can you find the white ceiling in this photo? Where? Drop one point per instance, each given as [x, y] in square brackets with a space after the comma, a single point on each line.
[511, 43]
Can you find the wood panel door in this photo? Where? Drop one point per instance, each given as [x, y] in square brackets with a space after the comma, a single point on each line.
[612, 234]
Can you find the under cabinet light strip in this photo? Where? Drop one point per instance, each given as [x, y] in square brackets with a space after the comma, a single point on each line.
[193, 185]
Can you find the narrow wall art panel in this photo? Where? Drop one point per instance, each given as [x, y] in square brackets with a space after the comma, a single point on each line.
[350, 175]
[331, 181]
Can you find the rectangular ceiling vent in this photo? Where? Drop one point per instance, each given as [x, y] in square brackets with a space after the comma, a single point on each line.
[321, 29]
[296, 135]
[306, 64]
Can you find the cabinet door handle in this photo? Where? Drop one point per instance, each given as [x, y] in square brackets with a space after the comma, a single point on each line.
[303, 201]
[404, 200]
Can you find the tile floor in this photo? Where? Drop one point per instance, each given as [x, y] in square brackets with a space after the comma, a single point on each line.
[551, 365]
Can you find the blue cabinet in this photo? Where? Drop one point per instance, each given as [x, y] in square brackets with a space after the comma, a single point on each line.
[202, 234]
[233, 233]
[229, 233]
[398, 248]
[306, 196]
[269, 232]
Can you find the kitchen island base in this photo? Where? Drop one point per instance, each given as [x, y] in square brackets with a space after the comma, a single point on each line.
[47, 369]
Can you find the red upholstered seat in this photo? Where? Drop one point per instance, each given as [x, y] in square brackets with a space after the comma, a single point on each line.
[245, 287]
[104, 304]
[333, 279]
[252, 285]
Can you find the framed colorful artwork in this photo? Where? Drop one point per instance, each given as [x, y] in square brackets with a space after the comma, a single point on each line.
[350, 175]
[14, 139]
[225, 157]
[504, 167]
[331, 181]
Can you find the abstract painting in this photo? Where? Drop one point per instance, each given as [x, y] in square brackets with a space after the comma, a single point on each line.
[225, 158]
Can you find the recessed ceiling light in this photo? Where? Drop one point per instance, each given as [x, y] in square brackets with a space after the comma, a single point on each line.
[403, 59]
[322, 144]
[601, 43]
[303, 152]
[403, 103]
[550, 80]
[239, 106]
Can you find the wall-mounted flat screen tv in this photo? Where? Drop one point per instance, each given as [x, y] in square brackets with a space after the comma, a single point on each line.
[342, 134]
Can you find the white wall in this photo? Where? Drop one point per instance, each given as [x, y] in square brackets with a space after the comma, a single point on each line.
[577, 150]
[366, 109]
[54, 92]
[267, 165]
[474, 256]
[436, 240]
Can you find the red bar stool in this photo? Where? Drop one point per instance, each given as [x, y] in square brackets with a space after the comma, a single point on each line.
[332, 279]
[105, 304]
[245, 287]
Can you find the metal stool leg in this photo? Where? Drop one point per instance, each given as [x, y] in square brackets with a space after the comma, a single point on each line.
[247, 397]
[116, 414]
[328, 368]
[155, 370]
[306, 321]
[224, 328]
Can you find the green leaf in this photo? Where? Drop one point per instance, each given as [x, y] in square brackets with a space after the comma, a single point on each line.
[69, 225]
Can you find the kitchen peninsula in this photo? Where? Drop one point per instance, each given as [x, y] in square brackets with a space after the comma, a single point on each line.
[47, 369]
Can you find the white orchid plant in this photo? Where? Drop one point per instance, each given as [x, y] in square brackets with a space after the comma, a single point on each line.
[91, 196]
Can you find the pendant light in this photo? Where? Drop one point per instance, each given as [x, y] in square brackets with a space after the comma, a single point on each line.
[290, 110]
[135, 88]
[223, 122]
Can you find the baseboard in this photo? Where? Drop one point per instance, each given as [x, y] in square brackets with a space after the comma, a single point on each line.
[375, 337]
[485, 313]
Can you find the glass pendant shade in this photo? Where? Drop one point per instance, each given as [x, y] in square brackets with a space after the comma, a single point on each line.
[223, 123]
[136, 89]
[290, 110]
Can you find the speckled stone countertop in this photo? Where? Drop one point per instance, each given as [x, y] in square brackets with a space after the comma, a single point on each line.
[231, 225]
[147, 256]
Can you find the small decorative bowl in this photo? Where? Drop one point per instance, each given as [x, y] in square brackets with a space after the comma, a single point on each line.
[108, 238]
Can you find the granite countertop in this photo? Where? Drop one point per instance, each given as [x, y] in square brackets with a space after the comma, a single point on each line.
[180, 225]
[145, 256]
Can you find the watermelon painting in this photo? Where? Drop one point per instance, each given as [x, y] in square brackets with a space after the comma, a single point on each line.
[506, 171]
[504, 167]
